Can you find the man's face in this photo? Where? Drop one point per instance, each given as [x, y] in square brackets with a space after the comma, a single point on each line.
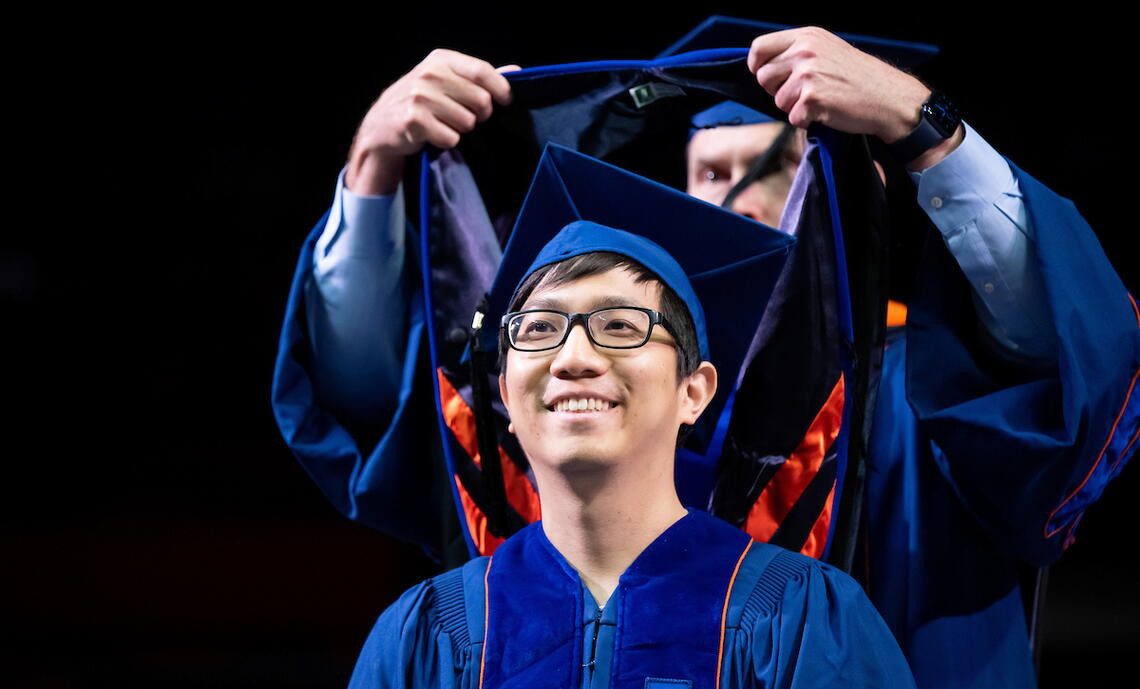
[718, 158]
[634, 403]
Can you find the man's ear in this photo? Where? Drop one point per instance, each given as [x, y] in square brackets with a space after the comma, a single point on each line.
[506, 402]
[698, 390]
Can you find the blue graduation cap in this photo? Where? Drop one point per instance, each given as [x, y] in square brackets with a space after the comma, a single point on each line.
[723, 266]
[727, 113]
[719, 31]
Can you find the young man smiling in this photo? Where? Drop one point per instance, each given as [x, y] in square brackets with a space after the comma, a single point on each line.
[606, 356]
[598, 423]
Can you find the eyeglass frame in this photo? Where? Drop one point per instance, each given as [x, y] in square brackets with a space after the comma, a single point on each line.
[655, 318]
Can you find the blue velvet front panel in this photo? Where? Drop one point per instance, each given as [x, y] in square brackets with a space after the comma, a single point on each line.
[671, 601]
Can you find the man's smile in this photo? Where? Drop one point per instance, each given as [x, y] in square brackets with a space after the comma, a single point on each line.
[581, 404]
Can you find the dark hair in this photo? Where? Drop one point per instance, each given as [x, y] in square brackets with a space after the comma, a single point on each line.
[597, 262]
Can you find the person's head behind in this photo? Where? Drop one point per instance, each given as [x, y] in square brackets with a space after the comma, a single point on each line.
[717, 158]
[724, 142]
[582, 406]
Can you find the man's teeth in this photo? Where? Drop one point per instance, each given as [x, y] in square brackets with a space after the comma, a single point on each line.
[586, 404]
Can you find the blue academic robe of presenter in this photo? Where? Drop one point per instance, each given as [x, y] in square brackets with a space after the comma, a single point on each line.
[702, 603]
[976, 464]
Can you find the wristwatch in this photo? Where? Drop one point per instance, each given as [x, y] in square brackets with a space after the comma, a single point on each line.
[938, 119]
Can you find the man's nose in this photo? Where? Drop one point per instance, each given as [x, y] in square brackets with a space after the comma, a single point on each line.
[753, 204]
[578, 357]
[748, 210]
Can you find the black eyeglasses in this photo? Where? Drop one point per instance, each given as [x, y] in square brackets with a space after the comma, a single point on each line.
[621, 327]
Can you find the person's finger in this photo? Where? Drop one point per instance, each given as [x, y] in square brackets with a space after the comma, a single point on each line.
[496, 84]
[768, 46]
[468, 94]
[788, 95]
[507, 68]
[772, 75]
[460, 113]
[803, 105]
[804, 114]
[482, 73]
[425, 128]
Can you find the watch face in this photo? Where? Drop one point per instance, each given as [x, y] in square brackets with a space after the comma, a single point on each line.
[941, 112]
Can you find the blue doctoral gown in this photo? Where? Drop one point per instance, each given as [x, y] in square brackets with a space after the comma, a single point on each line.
[787, 621]
[978, 464]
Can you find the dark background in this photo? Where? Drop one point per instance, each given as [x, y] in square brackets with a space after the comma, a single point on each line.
[157, 530]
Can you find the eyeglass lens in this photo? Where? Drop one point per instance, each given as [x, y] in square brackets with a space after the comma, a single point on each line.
[617, 327]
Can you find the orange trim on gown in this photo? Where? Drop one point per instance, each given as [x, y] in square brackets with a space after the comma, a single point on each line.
[520, 492]
[794, 475]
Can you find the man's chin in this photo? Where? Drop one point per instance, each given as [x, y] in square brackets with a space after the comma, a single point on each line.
[585, 464]
[584, 475]
[581, 465]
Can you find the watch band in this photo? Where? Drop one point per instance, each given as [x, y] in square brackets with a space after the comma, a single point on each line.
[938, 119]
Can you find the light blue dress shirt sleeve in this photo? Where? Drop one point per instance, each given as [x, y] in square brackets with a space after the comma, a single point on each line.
[975, 202]
[356, 304]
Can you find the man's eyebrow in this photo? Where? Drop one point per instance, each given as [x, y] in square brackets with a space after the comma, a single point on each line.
[710, 158]
[599, 303]
[714, 152]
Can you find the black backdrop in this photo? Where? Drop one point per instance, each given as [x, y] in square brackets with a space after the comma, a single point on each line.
[157, 530]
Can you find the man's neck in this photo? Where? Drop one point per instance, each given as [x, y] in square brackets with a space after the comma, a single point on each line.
[601, 523]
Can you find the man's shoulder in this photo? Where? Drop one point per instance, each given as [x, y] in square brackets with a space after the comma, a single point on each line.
[458, 600]
[451, 603]
[456, 585]
[769, 575]
[473, 568]
[428, 627]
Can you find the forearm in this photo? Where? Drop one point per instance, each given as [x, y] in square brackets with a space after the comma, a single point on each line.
[356, 304]
[975, 202]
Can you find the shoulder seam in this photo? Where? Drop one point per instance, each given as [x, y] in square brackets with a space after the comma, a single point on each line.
[769, 589]
[449, 606]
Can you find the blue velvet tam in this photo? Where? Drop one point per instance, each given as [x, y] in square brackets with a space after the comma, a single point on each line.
[723, 266]
[727, 114]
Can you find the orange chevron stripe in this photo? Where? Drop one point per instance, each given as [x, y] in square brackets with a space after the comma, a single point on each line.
[520, 492]
[817, 540]
[896, 313]
[790, 480]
